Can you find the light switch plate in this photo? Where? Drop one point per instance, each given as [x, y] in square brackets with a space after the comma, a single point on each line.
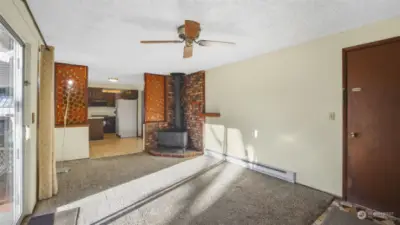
[332, 116]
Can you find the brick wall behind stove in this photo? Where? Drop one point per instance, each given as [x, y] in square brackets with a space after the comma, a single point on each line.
[152, 128]
[194, 104]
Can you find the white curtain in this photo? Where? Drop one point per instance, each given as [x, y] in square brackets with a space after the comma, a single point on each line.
[46, 154]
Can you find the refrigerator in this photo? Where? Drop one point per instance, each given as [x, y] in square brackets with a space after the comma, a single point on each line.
[126, 121]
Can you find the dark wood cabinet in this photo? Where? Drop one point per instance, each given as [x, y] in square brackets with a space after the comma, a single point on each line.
[99, 98]
[96, 129]
[109, 124]
[128, 94]
[110, 99]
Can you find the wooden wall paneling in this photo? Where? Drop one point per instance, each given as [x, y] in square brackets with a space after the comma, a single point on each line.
[155, 98]
[77, 112]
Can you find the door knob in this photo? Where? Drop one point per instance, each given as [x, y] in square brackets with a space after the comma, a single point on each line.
[353, 135]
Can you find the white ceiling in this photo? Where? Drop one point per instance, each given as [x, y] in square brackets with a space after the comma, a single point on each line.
[105, 34]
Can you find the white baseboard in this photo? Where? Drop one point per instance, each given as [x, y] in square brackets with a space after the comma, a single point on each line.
[268, 170]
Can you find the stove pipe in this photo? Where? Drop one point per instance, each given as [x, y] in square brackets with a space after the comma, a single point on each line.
[178, 79]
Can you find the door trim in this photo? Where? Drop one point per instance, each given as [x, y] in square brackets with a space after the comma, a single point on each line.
[22, 64]
[345, 104]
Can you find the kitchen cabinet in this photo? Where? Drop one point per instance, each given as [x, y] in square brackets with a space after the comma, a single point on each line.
[99, 98]
[96, 131]
[128, 94]
[109, 124]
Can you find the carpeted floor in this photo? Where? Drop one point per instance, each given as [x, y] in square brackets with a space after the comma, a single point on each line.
[227, 194]
[230, 194]
[91, 176]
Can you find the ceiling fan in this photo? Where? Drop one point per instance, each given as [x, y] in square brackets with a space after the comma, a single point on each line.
[189, 34]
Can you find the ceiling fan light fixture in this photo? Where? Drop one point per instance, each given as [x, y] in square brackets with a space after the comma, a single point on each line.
[113, 79]
[189, 33]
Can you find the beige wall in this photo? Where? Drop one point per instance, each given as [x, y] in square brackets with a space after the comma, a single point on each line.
[14, 12]
[275, 107]
[71, 143]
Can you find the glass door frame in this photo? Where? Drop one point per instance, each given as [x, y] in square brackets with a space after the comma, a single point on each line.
[18, 151]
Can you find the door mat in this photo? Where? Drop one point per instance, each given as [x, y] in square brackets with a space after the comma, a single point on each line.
[345, 213]
[67, 217]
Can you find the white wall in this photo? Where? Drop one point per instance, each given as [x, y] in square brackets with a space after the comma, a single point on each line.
[74, 146]
[107, 111]
[286, 97]
[117, 86]
[14, 12]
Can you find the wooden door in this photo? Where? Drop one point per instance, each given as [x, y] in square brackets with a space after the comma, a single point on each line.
[372, 159]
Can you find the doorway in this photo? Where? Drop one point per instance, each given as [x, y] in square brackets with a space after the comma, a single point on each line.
[11, 128]
[371, 80]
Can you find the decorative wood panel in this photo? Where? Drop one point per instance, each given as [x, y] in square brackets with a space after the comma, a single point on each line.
[152, 127]
[154, 98]
[78, 100]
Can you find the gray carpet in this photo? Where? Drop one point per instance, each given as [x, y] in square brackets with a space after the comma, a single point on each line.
[338, 217]
[230, 194]
[91, 176]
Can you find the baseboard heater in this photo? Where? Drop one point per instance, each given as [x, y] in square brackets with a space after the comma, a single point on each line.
[268, 170]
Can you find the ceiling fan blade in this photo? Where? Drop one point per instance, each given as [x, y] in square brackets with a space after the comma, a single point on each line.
[192, 29]
[209, 42]
[160, 42]
[187, 51]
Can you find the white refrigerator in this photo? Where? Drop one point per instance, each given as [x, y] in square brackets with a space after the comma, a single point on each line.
[126, 121]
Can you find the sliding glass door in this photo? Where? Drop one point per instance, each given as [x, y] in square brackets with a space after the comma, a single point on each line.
[11, 130]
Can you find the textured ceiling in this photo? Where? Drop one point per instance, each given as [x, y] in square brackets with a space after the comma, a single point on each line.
[105, 34]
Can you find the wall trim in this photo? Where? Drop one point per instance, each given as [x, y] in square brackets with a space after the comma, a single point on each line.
[258, 167]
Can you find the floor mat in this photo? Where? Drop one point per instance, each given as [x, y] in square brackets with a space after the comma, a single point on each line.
[343, 213]
[337, 216]
[67, 217]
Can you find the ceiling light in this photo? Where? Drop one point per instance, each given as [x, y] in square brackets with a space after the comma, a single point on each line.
[111, 91]
[114, 80]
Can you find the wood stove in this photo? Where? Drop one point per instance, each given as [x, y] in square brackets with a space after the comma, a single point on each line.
[176, 137]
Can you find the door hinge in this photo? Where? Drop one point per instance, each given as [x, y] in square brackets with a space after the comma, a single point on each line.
[17, 154]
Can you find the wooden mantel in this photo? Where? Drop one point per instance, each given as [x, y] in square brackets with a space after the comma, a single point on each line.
[204, 114]
[210, 114]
